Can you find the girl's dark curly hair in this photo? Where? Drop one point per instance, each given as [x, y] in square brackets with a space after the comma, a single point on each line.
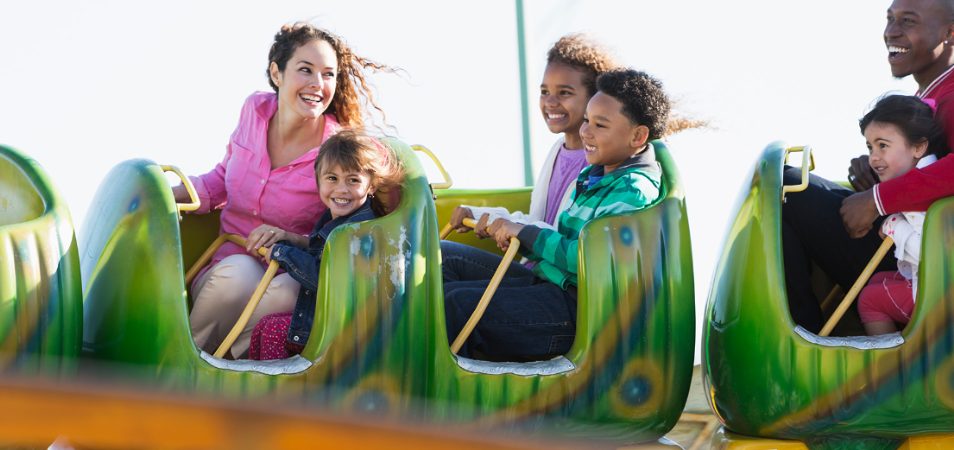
[351, 81]
[913, 117]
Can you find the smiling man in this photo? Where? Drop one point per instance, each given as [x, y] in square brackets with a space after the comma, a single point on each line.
[919, 36]
[918, 39]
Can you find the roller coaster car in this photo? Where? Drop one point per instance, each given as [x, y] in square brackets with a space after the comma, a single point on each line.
[630, 365]
[379, 342]
[40, 294]
[768, 378]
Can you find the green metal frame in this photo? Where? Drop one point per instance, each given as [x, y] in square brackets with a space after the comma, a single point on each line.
[524, 94]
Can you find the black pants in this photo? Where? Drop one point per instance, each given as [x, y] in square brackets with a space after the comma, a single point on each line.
[529, 319]
[812, 230]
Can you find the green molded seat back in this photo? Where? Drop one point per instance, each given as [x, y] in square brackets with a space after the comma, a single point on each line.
[768, 378]
[40, 294]
[20, 198]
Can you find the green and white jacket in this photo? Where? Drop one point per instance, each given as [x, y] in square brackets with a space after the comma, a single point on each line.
[634, 185]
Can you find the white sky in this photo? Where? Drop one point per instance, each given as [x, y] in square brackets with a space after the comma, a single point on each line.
[85, 84]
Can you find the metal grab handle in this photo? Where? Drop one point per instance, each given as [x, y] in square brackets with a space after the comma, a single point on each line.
[448, 229]
[249, 309]
[195, 203]
[808, 164]
[207, 255]
[832, 295]
[859, 284]
[447, 183]
[491, 287]
[252, 302]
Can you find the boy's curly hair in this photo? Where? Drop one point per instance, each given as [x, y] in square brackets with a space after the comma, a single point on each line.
[580, 52]
[643, 98]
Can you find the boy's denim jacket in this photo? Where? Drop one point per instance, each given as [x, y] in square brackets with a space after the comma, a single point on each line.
[302, 264]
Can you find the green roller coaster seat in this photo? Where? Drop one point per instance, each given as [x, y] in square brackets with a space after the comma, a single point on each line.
[40, 294]
[768, 378]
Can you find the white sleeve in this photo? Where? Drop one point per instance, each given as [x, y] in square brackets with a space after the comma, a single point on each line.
[538, 197]
[494, 212]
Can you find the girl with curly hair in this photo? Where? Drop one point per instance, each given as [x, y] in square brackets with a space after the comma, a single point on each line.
[569, 80]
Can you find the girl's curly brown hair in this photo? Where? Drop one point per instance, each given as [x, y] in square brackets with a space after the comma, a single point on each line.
[582, 53]
[352, 91]
[579, 51]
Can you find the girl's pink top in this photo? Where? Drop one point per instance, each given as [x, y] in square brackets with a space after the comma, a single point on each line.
[249, 192]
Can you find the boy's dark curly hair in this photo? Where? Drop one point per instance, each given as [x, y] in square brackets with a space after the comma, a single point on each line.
[584, 54]
[644, 101]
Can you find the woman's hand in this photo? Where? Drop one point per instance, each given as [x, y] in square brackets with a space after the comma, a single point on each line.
[502, 230]
[264, 236]
[860, 175]
[457, 219]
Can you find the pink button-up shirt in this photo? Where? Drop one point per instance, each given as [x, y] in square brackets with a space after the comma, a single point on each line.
[246, 188]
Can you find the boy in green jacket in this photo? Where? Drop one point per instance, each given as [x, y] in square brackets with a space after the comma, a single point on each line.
[533, 313]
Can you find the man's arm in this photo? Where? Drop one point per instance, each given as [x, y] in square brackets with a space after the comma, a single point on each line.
[858, 212]
[913, 191]
[916, 189]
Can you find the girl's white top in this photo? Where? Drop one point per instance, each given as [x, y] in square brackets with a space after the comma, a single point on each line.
[905, 228]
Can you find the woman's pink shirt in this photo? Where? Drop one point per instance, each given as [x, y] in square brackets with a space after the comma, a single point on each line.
[249, 192]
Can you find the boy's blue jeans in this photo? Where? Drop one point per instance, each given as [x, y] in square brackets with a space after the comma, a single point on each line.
[528, 318]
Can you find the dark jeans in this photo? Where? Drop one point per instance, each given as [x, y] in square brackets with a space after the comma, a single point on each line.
[528, 318]
[812, 230]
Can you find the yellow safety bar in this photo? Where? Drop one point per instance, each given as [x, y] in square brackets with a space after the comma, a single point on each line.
[252, 302]
[447, 183]
[808, 164]
[856, 288]
[184, 207]
[491, 288]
